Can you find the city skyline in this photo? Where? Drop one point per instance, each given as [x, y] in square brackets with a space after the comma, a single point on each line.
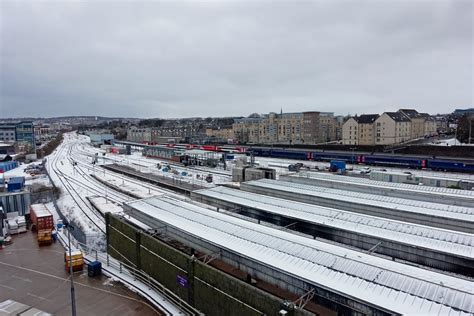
[179, 60]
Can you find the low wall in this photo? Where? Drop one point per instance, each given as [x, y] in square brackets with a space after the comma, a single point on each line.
[206, 288]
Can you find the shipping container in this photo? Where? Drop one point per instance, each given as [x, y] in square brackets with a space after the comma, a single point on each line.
[16, 184]
[41, 217]
[8, 165]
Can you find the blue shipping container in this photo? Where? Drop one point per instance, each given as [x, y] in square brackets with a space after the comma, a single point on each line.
[16, 184]
[8, 165]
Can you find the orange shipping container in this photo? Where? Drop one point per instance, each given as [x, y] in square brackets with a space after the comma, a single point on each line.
[41, 217]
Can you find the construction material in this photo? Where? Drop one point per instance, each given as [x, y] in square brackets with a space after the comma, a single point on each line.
[76, 260]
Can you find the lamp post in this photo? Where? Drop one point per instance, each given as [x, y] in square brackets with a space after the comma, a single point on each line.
[69, 227]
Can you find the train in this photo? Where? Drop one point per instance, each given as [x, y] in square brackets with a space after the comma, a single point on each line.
[412, 162]
[368, 159]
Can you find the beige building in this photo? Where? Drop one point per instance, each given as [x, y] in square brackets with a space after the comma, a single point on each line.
[350, 134]
[366, 130]
[139, 134]
[223, 134]
[392, 128]
[327, 127]
[246, 130]
[417, 122]
[283, 128]
[431, 126]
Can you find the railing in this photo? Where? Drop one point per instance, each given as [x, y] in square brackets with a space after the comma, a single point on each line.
[141, 276]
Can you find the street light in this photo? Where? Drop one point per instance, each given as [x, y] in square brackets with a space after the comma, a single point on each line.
[69, 228]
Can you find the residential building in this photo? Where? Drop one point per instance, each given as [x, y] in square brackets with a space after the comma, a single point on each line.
[430, 126]
[7, 133]
[327, 127]
[366, 132]
[221, 134]
[392, 128]
[246, 130]
[139, 134]
[441, 122]
[289, 128]
[283, 128]
[311, 127]
[339, 123]
[350, 134]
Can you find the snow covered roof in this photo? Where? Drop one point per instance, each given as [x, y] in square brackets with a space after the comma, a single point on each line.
[389, 285]
[391, 185]
[442, 240]
[403, 205]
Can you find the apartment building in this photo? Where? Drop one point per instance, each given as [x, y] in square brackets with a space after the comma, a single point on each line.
[392, 128]
[283, 128]
[359, 130]
[350, 131]
[221, 134]
[246, 130]
[139, 134]
[311, 127]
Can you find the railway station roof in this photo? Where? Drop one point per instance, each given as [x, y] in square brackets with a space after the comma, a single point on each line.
[460, 244]
[365, 278]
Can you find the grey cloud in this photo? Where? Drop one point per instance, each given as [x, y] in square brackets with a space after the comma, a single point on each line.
[177, 59]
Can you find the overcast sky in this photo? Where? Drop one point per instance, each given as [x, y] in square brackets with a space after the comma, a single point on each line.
[232, 58]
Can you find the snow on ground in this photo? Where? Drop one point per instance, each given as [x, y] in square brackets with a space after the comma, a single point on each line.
[29, 179]
[73, 188]
[141, 190]
[149, 165]
[105, 205]
[449, 142]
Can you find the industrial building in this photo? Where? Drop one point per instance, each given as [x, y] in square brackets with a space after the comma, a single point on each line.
[445, 216]
[345, 281]
[434, 247]
[101, 139]
[21, 132]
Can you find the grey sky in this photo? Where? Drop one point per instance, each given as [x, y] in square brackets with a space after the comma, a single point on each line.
[182, 59]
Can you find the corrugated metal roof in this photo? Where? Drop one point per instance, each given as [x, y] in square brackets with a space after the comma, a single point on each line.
[391, 185]
[460, 244]
[404, 205]
[364, 277]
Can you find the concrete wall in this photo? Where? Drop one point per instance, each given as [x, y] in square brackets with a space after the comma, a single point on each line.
[210, 290]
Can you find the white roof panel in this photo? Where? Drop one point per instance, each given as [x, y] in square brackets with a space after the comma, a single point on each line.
[435, 209]
[457, 243]
[276, 248]
[388, 185]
